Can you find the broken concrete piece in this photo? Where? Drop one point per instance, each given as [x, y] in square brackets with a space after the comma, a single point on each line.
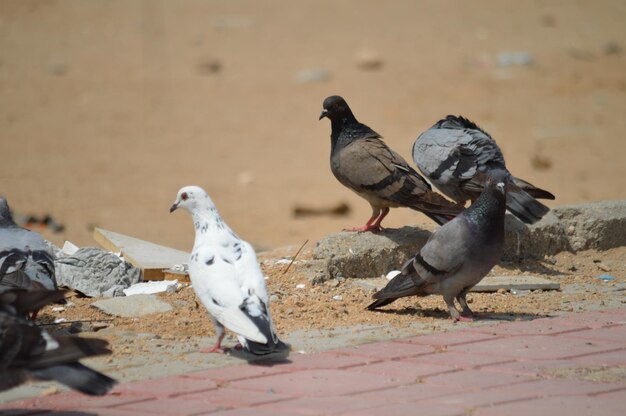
[132, 306]
[493, 283]
[598, 225]
[151, 258]
[96, 272]
[488, 284]
[148, 288]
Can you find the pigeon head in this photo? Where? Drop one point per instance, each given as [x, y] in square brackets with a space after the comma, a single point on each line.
[192, 198]
[336, 108]
[498, 182]
[5, 211]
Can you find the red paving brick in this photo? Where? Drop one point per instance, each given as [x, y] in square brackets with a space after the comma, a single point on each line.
[458, 360]
[615, 333]
[577, 405]
[475, 379]
[387, 350]
[318, 383]
[430, 409]
[544, 326]
[403, 368]
[321, 405]
[164, 387]
[535, 347]
[507, 369]
[529, 390]
[444, 339]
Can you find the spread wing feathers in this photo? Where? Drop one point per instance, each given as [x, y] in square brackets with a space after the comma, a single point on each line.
[224, 292]
[376, 169]
[442, 255]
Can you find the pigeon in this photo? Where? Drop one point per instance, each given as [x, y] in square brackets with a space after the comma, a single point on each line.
[452, 152]
[362, 162]
[227, 278]
[457, 255]
[25, 261]
[28, 352]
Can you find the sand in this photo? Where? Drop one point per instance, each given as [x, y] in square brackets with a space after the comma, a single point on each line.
[108, 108]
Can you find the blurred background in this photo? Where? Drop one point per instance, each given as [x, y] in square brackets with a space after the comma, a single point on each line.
[108, 107]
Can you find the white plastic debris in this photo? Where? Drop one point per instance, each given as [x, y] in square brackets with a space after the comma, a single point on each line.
[392, 274]
[337, 297]
[179, 268]
[283, 261]
[69, 248]
[300, 286]
[58, 309]
[60, 320]
[301, 352]
[266, 277]
[148, 288]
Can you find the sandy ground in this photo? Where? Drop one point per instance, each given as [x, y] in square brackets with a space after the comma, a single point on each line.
[108, 107]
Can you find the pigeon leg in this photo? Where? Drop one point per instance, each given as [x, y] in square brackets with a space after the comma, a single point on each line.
[463, 302]
[454, 312]
[220, 332]
[467, 312]
[380, 218]
[369, 225]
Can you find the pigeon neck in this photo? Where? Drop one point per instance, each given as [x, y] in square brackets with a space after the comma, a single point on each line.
[207, 222]
[487, 213]
[341, 124]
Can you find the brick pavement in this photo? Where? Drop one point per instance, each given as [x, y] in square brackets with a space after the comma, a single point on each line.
[574, 364]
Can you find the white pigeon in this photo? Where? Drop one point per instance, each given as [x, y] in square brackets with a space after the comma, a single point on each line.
[227, 278]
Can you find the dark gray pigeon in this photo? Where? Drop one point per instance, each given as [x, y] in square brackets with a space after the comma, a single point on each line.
[458, 255]
[454, 150]
[28, 352]
[361, 161]
[25, 262]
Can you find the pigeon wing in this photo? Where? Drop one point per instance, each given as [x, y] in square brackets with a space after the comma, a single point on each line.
[216, 281]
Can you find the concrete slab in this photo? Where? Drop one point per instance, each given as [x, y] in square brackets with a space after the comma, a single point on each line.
[132, 306]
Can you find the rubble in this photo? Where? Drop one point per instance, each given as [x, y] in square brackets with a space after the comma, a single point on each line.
[597, 225]
[96, 272]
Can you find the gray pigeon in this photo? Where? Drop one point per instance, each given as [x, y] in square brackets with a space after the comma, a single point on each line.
[30, 352]
[454, 150]
[362, 162]
[227, 278]
[25, 262]
[458, 255]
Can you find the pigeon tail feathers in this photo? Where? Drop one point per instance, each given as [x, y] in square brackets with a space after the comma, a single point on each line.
[77, 377]
[524, 206]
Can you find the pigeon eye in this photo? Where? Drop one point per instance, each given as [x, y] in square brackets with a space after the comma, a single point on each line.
[184, 196]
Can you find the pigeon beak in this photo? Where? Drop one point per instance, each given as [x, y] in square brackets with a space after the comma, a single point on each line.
[173, 207]
[324, 114]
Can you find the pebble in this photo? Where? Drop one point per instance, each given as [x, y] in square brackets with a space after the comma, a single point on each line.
[337, 297]
[502, 291]
[274, 298]
[368, 60]
[312, 75]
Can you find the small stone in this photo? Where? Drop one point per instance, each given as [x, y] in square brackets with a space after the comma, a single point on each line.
[368, 60]
[312, 75]
[333, 283]
[274, 298]
[502, 291]
[337, 297]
